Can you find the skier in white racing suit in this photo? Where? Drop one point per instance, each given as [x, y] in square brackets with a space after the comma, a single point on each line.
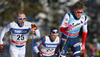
[19, 34]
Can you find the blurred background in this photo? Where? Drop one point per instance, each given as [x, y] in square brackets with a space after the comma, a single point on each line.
[49, 13]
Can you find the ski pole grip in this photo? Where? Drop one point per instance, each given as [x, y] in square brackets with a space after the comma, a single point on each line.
[33, 26]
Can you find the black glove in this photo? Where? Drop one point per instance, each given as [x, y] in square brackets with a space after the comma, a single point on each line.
[40, 54]
[1, 48]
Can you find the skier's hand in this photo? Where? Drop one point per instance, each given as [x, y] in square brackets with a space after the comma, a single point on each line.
[70, 27]
[40, 54]
[57, 54]
[33, 26]
[83, 47]
[1, 48]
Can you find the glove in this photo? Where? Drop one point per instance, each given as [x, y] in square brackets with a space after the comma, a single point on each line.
[40, 54]
[70, 27]
[1, 48]
[33, 26]
[57, 54]
[83, 47]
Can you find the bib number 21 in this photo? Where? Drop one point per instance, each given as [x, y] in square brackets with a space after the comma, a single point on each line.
[20, 37]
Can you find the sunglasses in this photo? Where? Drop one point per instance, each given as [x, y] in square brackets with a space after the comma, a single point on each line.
[21, 18]
[78, 11]
[54, 34]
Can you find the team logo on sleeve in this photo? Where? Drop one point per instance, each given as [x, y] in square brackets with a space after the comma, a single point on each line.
[65, 24]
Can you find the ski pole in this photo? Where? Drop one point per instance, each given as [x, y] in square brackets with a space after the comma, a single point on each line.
[32, 42]
[64, 43]
[33, 27]
[70, 27]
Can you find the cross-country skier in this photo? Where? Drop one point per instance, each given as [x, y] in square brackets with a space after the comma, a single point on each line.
[46, 46]
[19, 34]
[70, 28]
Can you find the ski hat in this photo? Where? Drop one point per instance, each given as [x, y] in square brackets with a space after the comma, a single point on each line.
[52, 31]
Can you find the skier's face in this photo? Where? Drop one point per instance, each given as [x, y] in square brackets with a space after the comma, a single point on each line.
[54, 36]
[78, 12]
[21, 19]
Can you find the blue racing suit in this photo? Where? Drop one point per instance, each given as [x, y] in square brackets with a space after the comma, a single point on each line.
[73, 38]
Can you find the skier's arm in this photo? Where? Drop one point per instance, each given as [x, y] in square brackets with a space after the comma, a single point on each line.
[85, 31]
[64, 26]
[37, 33]
[84, 35]
[38, 44]
[6, 29]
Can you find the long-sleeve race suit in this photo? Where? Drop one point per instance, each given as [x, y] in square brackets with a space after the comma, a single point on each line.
[47, 46]
[19, 36]
[73, 39]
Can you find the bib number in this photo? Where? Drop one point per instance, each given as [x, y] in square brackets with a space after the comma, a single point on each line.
[49, 50]
[20, 37]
